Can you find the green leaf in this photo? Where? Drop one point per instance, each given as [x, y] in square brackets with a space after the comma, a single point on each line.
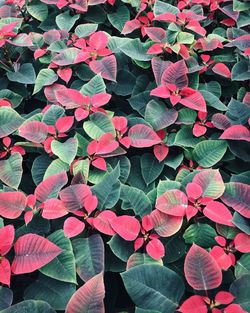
[159, 116]
[135, 49]
[119, 18]
[66, 151]
[154, 287]
[24, 75]
[163, 7]
[94, 86]
[55, 292]
[185, 138]
[89, 254]
[125, 167]
[241, 222]
[39, 167]
[30, 306]
[240, 288]
[242, 266]
[136, 200]
[10, 120]
[186, 116]
[38, 10]
[139, 310]
[98, 125]
[108, 190]
[201, 234]
[240, 71]
[175, 248]
[13, 97]
[55, 167]
[45, 77]
[66, 20]
[84, 30]
[213, 87]
[209, 152]
[165, 185]
[141, 258]
[11, 170]
[53, 113]
[213, 101]
[63, 266]
[121, 248]
[6, 297]
[174, 161]
[185, 38]
[151, 168]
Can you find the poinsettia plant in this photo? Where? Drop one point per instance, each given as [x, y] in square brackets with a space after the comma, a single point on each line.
[124, 156]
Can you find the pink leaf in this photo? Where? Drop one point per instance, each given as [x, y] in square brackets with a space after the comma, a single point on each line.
[211, 183]
[173, 202]
[156, 48]
[107, 66]
[196, 302]
[218, 213]
[120, 122]
[196, 27]
[106, 144]
[130, 26]
[199, 130]
[64, 123]
[165, 225]
[32, 252]
[201, 270]
[100, 164]
[193, 99]
[98, 40]
[12, 204]
[74, 196]
[155, 249]
[158, 67]
[222, 69]
[50, 187]
[73, 227]
[90, 203]
[236, 132]
[81, 114]
[126, 227]
[242, 242]
[176, 74]
[234, 308]
[7, 234]
[223, 260]
[161, 92]
[53, 208]
[102, 222]
[224, 297]
[89, 297]
[50, 92]
[194, 191]
[237, 196]
[143, 136]
[100, 99]
[65, 74]
[160, 152]
[156, 34]
[5, 271]
[221, 121]
[34, 131]
[71, 98]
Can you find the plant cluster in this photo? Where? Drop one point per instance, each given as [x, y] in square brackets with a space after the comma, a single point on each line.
[124, 156]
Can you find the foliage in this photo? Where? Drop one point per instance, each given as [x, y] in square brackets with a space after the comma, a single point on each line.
[124, 156]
